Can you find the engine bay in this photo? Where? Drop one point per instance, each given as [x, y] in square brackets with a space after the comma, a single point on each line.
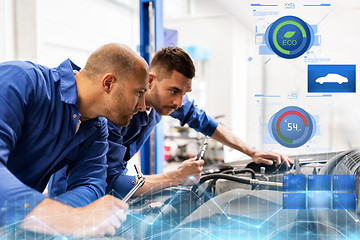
[244, 200]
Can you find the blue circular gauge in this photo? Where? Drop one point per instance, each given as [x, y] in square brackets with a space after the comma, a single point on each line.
[292, 126]
[289, 37]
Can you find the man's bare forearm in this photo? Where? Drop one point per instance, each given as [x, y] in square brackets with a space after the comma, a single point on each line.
[48, 216]
[101, 217]
[188, 173]
[228, 138]
[155, 183]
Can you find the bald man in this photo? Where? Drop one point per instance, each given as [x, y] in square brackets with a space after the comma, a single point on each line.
[50, 118]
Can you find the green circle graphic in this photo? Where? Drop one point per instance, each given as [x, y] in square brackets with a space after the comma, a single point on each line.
[303, 32]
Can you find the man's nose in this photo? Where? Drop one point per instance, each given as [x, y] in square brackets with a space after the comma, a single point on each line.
[178, 101]
[141, 106]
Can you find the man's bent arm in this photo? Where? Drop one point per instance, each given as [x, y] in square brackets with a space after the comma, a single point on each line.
[197, 119]
[122, 184]
[228, 138]
[188, 173]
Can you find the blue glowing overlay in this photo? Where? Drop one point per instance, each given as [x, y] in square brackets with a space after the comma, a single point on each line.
[344, 182]
[320, 192]
[294, 200]
[319, 183]
[294, 183]
[344, 201]
[319, 200]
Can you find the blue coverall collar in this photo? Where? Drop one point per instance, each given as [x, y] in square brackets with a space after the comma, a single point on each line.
[68, 89]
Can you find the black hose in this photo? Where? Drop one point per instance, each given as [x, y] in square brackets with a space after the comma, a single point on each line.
[220, 176]
[212, 183]
[238, 171]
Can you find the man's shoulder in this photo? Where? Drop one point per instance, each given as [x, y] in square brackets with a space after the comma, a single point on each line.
[23, 76]
[20, 64]
[14, 67]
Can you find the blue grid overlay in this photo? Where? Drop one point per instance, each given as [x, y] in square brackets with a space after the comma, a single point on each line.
[319, 192]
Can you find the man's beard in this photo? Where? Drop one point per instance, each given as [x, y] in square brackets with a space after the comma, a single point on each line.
[166, 110]
[122, 120]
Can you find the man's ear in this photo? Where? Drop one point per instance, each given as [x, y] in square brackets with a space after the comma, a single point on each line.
[108, 81]
[152, 77]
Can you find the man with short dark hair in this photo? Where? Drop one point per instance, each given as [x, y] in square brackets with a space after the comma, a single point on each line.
[170, 77]
[50, 118]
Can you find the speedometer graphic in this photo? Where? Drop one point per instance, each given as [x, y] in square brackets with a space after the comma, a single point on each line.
[292, 126]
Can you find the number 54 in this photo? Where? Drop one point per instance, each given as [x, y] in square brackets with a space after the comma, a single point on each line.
[292, 126]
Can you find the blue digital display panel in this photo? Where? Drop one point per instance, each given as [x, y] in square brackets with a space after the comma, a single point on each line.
[319, 200]
[294, 182]
[331, 78]
[320, 194]
[319, 183]
[344, 182]
[344, 201]
[294, 201]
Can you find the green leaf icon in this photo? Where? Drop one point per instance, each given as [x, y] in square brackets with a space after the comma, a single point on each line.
[289, 34]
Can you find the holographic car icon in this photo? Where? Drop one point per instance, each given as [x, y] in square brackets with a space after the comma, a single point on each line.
[332, 78]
